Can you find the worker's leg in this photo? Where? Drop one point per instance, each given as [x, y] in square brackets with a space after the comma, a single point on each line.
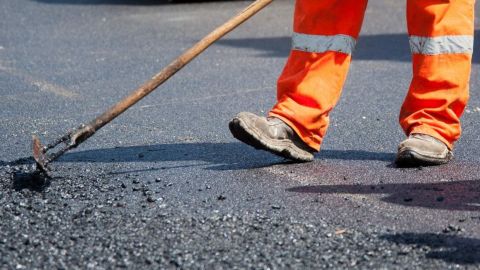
[441, 39]
[325, 34]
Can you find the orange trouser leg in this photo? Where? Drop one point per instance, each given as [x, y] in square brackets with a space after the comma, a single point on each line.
[441, 38]
[311, 82]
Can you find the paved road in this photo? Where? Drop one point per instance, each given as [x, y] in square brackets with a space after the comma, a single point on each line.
[165, 185]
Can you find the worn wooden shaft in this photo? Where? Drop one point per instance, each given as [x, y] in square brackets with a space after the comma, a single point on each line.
[173, 67]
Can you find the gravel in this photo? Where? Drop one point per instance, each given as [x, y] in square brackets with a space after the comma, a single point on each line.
[69, 224]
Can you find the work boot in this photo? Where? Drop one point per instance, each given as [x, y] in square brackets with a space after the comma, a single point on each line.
[270, 134]
[422, 150]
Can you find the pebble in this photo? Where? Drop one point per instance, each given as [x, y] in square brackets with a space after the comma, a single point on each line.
[452, 228]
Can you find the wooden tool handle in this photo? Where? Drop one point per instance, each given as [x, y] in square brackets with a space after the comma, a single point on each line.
[174, 67]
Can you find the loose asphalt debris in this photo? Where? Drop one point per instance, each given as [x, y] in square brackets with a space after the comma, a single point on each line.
[90, 220]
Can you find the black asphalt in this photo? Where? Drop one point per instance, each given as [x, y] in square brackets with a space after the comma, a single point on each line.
[166, 186]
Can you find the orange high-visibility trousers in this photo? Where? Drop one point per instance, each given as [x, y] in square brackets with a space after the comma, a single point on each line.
[325, 34]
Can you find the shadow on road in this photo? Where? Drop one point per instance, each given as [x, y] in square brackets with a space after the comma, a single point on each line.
[388, 47]
[356, 155]
[454, 195]
[224, 156]
[449, 248]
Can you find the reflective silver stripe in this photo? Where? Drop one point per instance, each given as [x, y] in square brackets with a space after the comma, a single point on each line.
[441, 45]
[320, 44]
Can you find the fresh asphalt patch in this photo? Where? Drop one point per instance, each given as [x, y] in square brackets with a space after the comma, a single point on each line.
[88, 218]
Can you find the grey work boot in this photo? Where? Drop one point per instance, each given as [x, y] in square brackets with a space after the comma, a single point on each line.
[270, 134]
[422, 150]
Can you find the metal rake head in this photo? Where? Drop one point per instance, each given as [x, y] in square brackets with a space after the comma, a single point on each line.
[70, 140]
[39, 154]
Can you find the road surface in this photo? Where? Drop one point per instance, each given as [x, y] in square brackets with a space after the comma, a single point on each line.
[166, 186]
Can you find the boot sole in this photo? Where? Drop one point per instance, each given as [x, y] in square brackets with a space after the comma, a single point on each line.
[251, 136]
[411, 158]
